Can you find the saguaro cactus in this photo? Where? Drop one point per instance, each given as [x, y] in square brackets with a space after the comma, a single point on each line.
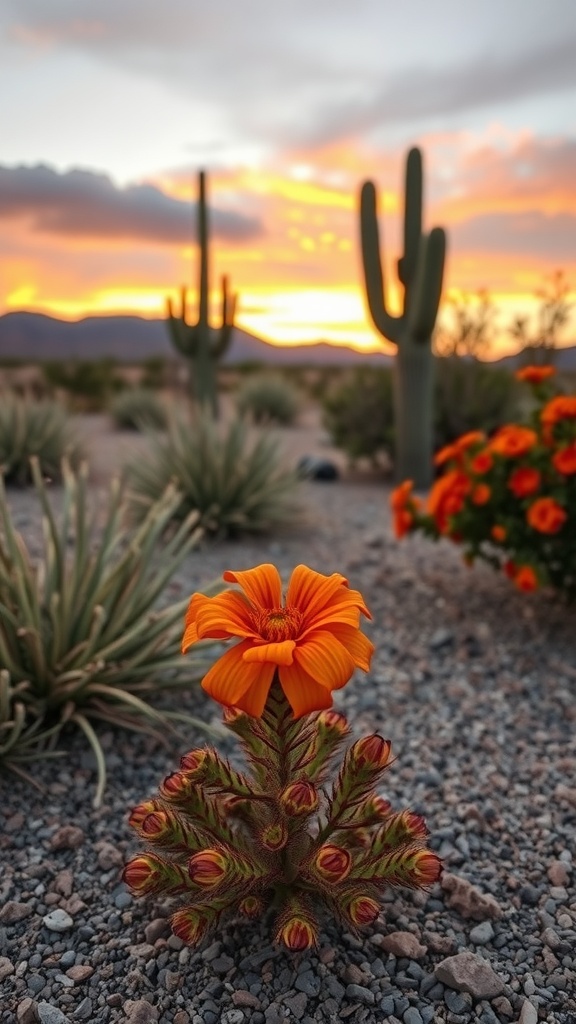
[199, 343]
[420, 270]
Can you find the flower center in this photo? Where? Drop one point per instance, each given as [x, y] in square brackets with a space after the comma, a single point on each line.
[278, 624]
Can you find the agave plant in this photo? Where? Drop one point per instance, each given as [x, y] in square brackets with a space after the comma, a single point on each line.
[268, 398]
[21, 728]
[40, 429]
[81, 633]
[231, 477]
[138, 408]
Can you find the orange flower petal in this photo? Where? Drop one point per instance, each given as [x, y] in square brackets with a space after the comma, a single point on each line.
[276, 653]
[262, 585]
[230, 677]
[219, 617]
[324, 658]
[304, 693]
[359, 647]
[345, 607]
[309, 590]
[254, 700]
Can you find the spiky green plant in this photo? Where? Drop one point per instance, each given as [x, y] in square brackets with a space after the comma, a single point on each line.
[235, 841]
[268, 398]
[138, 408]
[22, 730]
[231, 477]
[420, 271]
[41, 429]
[81, 631]
[200, 344]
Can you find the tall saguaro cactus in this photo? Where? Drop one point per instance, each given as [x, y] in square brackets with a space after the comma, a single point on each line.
[420, 271]
[199, 343]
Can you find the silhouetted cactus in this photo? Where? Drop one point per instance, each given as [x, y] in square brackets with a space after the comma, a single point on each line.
[420, 270]
[202, 345]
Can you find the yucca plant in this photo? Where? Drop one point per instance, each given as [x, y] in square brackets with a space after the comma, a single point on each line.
[41, 429]
[230, 477]
[81, 633]
[267, 398]
[21, 728]
[138, 408]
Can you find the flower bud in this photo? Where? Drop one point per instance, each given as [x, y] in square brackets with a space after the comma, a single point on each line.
[371, 752]
[208, 868]
[299, 797]
[333, 863]
[297, 934]
[363, 910]
[140, 812]
[425, 867]
[232, 715]
[251, 907]
[146, 874]
[175, 787]
[332, 721]
[192, 761]
[274, 837]
[379, 806]
[190, 925]
[156, 825]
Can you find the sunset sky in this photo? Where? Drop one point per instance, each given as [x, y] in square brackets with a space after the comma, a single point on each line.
[109, 109]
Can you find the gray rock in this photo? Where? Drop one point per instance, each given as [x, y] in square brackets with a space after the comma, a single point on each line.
[12, 912]
[482, 933]
[58, 920]
[468, 972]
[412, 1016]
[309, 983]
[48, 1014]
[361, 994]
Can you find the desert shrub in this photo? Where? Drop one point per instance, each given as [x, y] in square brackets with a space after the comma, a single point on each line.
[89, 382]
[470, 395]
[358, 413]
[137, 408]
[230, 476]
[267, 398]
[81, 633]
[155, 373]
[510, 499]
[41, 429]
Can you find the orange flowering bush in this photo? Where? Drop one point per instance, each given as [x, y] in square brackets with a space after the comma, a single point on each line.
[511, 498]
[287, 832]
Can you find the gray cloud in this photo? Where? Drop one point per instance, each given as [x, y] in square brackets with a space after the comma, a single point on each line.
[80, 202]
[530, 234]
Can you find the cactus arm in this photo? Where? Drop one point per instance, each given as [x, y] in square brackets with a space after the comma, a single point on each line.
[427, 287]
[202, 223]
[221, 339]
[389, 326]
[408, 263]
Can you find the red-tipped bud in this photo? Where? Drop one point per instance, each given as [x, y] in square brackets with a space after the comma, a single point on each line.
[251, 907]
[190, 925]
[371, 752]
[298, 934]
[415, 826]
[380, 806]
[333, 863]
[175, 786]
[208, 868]
[145, 874]
[363, 910]
[232, 715]
[156, 825]
[333, 721]
[299, 797]
[140, 812]
[274, 837]
[426, 868]
[192, 761]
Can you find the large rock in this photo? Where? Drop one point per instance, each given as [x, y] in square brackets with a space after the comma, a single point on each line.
[403, 944]
[467, 972]
[468, 901]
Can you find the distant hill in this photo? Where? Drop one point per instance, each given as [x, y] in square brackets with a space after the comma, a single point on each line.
[34, 337]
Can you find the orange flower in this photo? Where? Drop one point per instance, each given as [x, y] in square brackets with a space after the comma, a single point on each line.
[562, 407]
[565, 459]
[446, 497]
[498, 533]
[546, 516]
[510, 569]
[526, 579]
[535, 374]
[312, 641]
[468, 440]
[446, 454]
[482, 462]
[402, 503]
[524, 481]
[481, 494]
[512, 441]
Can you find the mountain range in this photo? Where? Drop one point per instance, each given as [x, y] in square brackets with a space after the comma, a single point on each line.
[35, 337]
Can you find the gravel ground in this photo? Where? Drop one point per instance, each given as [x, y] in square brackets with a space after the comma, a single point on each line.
[475, 685]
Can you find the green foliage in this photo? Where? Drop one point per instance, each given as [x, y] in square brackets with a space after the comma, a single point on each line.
[267, 398]
[471, 395]
[358, 413]
[231, 477]
[81, 634]
[137, 409]
[89, 382]
[41, 429]
[155, 373]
